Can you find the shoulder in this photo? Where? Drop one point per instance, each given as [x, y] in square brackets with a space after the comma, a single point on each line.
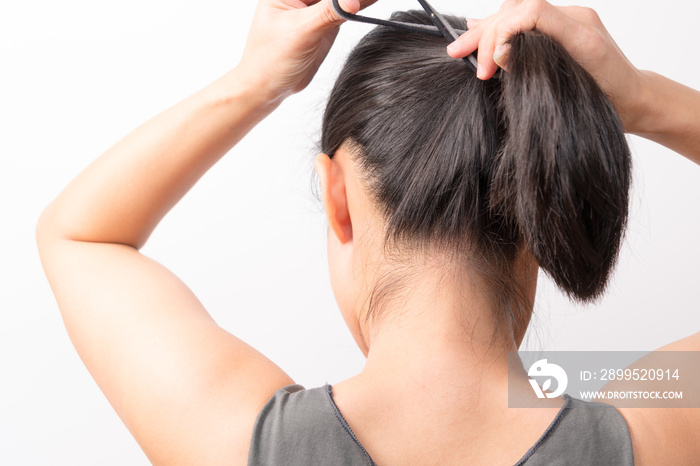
[661, 434]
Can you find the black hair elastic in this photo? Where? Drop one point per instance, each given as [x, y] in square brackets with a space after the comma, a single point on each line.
[441, 26]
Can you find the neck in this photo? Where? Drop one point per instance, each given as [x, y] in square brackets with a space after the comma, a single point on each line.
[440, 335]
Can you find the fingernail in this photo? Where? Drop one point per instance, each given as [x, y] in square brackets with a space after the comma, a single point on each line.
[452, 48]
[479, 72]
[499, 54]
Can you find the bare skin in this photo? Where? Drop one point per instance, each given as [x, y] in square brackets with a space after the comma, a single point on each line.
[432, 391]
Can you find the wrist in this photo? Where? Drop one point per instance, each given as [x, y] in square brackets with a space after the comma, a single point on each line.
[243, 91]
[642, 112]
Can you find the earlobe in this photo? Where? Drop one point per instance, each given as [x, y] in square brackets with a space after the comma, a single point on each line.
[334, 196]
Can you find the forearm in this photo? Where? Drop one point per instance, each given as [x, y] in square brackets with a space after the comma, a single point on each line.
[123, 195]
[669, 113]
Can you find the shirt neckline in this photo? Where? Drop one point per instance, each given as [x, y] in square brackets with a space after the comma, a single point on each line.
[553, 425]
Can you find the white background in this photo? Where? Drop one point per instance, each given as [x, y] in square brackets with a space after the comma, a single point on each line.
[249, 239]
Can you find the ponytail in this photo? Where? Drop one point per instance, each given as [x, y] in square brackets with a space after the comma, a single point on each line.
[564, 166]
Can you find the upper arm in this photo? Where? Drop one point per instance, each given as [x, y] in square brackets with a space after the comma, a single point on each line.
[188, 391]
[666, 435]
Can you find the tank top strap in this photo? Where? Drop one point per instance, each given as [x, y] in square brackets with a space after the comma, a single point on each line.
[299, 427]
[586, 433]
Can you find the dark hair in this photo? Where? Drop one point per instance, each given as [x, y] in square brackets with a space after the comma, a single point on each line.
[537, 158]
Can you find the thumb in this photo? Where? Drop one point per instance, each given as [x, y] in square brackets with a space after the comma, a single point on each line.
[325, 16]
[500, 55]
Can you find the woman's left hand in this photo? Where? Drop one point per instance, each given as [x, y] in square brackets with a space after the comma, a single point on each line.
[579, 30]
[288, 41]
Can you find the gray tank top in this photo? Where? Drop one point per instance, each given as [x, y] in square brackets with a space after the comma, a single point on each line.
[300, 427]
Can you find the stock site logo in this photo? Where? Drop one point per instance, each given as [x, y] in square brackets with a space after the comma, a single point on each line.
[542, 368]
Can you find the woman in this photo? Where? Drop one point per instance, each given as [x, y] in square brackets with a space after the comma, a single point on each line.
[432, 391]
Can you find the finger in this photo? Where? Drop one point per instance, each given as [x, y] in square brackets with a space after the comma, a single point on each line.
[500, 55]
[472, 22]
[325, 17]
[350, 6]
[487, 67]
[365, 3]
[502, 35]
[465, 44]
[523, 16]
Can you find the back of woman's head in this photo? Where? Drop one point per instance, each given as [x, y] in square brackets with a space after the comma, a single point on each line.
[481, 169]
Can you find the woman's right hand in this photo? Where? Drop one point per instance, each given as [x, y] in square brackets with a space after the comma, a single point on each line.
[288, 41]
[578, 29]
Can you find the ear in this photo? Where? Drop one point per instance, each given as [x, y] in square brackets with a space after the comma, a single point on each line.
[334, 196]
